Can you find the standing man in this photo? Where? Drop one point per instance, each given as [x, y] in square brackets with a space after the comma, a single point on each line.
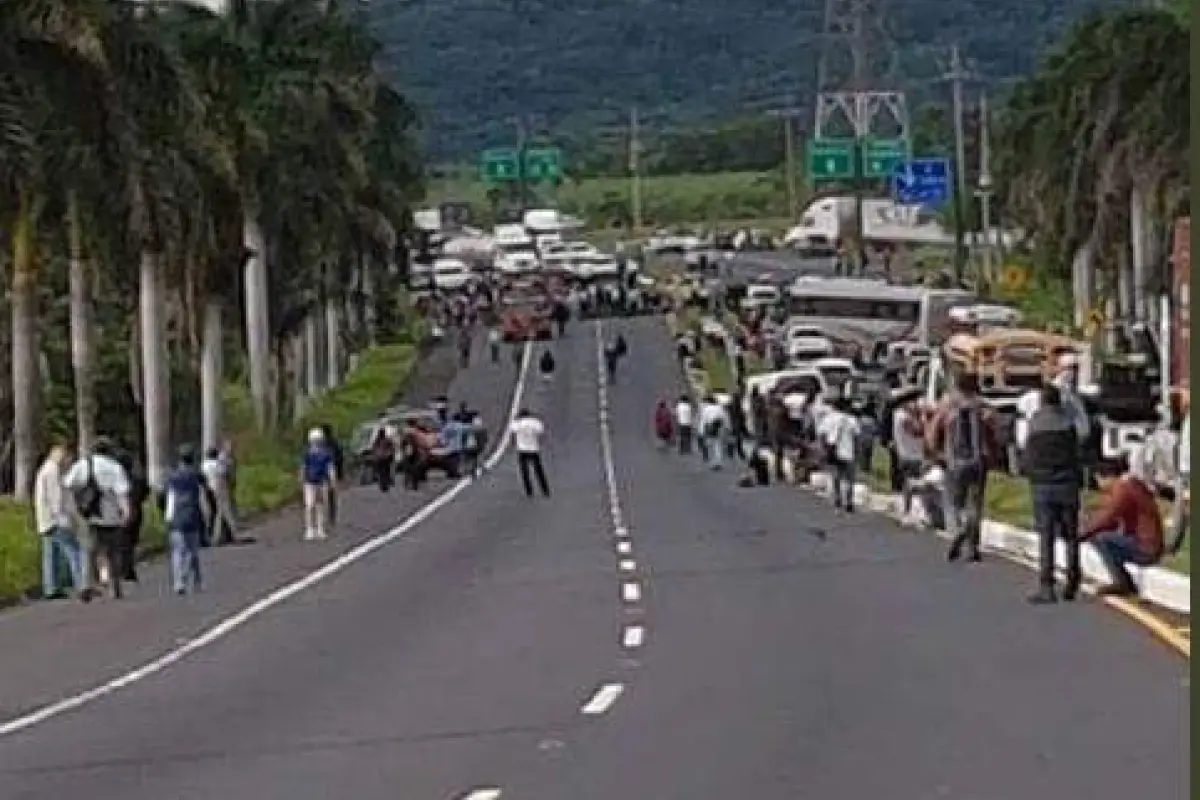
[58, 540]
[1052, 464]
[962, 434]
[317, 476]
[839, 432]
[339, 464]
[527, 432]
[714, 426]
[185, 520]
[221, 524]
[493, 339]
[103, 499]
[684, 422]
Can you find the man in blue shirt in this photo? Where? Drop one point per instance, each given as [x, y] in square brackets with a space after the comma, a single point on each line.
[317, 475]
[185, 520]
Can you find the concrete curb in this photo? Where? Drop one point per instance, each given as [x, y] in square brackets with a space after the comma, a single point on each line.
[1163, 587]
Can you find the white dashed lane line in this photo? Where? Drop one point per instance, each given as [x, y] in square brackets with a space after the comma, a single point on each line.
[624, 547]
[633, 637]
[603, 699]
[627, 565]
[631, 592]
[489, 793]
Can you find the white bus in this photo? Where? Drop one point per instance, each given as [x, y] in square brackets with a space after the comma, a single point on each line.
[875, 308]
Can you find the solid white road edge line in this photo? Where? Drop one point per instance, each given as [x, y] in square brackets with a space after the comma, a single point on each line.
[603, 699]
[633, 637]
[631, 592]
[231, 623]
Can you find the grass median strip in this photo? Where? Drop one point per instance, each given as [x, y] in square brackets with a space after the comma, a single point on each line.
[267, 463]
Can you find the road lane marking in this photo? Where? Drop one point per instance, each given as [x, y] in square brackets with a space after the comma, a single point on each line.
[627, 565]
[625, 547]
[633, 637]
[489, 793]
[231, 623]
[621, 531]
[631, 592]
[603, 699]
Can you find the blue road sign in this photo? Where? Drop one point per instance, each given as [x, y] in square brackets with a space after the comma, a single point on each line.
[922, 181]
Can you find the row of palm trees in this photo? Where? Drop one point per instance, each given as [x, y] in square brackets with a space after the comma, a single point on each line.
[251, 160]
[1094, 153]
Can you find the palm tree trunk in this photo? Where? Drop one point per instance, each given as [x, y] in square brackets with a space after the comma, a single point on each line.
[26, 385]
[1139, 223]
[82, 328]
[311, 374]
[299, 391]
[258, 334]
[370, 313]
[333, 344]
[212, 369]
[155, 379]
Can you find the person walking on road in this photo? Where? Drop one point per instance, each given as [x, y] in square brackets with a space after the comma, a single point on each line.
[664, 425]
[222, 528]
[907, 447]
[464, 347]
[714, 427]
[546, 365]
[1052, 463]
[184, 517]
[839, 432]
[317, 475]
[612, 357]
[339, 465]
[527, 432]
[103, 493]
[493, 339]
[383, 458]
[685, 415]
[962, 435]
[58, 540]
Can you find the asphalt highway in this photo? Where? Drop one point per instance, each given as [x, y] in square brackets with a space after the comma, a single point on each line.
[650, 632]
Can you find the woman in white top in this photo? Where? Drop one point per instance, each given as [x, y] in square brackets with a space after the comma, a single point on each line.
[909, 441]
[54, 528]
[839, 432]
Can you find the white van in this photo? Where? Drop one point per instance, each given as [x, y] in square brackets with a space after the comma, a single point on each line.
[451, 274]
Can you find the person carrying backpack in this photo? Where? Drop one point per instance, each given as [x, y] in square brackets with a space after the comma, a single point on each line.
[962, 436]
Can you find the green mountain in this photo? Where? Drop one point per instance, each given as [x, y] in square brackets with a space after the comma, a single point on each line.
[577, 66]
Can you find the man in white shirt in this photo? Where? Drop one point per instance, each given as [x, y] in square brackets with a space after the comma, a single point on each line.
[909, 442]
[714, 427]
[838, 432]
[527, 432]
[685, 420]
[223, 529]
[102, 493]
[53, 518]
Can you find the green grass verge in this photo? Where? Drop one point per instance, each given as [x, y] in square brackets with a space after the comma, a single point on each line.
[267, 464]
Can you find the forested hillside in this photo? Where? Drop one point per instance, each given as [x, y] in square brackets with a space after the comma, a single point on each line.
[472, 65]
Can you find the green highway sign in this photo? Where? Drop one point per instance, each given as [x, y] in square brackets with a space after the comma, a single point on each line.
[831, 159]
[882, 157]
[543, 163]
[500, 164]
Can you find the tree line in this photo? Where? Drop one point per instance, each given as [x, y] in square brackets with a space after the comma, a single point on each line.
[186, 198]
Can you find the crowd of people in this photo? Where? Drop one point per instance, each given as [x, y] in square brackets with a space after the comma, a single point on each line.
[940, 458]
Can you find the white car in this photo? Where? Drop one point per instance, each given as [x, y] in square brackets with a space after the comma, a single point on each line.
[451, 274]
[596, 266]
[516, 262]
[804, 343]
[759, 295]
[664, 242]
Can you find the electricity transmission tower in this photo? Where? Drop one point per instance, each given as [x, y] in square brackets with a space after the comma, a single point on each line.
[853, 101]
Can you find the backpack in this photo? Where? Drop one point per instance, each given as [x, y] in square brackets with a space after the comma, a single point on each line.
[88, 497]
[964, 441]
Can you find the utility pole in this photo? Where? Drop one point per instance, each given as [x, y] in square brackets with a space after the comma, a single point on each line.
[984, 191]
[522, 184]
[787, 116]
[956, 75]
[635, 178]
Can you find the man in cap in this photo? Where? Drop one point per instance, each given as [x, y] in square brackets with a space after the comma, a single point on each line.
[103, 498]
[317, 476]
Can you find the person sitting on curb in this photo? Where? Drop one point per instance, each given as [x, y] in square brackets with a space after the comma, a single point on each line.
[1128, 527]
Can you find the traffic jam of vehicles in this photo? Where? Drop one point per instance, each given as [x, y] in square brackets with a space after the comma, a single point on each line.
[882, 344]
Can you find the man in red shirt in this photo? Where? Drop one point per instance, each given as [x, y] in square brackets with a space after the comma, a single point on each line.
[1128, 527]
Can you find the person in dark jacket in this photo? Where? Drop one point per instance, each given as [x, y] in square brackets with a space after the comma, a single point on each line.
[339, 464]
[1053, 462]
[184, 516]
[132, 535]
